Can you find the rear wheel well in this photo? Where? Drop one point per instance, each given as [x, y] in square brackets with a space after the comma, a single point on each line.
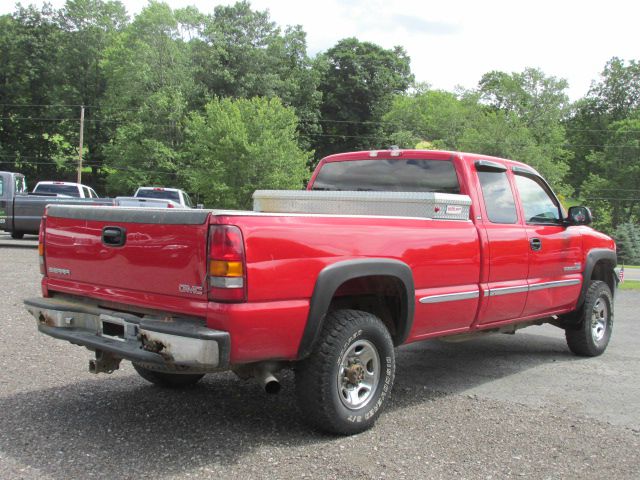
[382, 296]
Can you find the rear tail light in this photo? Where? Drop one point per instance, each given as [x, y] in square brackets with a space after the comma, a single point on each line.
[170, 205]
[227, 270]
[43, 222]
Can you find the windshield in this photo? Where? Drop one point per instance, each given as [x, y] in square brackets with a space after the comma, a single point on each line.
[166, 194]
[402, 175]
[70, 190]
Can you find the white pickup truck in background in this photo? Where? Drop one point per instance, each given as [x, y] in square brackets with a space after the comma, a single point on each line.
[174, 194]
[65, 189]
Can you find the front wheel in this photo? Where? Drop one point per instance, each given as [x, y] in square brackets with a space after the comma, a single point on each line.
[590, 337]
[344, 384]
[17, 235]
[167, 380]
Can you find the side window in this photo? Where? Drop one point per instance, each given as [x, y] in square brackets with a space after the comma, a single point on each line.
[1, 186]
[187, 200]
[85, 192]
[21, 186]
[538, 203]
[93, 193]
[498, 197]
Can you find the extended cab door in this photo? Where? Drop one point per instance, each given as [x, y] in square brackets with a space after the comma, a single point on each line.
[554, 249]
[505, 248]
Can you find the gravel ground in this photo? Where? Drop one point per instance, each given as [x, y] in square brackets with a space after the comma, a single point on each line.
[497, 407]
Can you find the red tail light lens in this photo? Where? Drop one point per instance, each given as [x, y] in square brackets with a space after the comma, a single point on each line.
[43, 269]
[227, 273]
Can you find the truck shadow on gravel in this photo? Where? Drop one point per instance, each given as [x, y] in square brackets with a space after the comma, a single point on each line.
[17, 244]
[122, 427]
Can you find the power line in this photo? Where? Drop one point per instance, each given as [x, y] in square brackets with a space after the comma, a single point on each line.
[43, 105]
[612, 199]
[327, 120]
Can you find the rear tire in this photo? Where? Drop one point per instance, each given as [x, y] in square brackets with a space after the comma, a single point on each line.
[17, 235]
[344, 384]
[168, 380]
[591, 335]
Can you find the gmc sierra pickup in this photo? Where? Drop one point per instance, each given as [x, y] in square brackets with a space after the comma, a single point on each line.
[384, 248]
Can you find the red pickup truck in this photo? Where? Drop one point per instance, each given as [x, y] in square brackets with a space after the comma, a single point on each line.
[384, 248]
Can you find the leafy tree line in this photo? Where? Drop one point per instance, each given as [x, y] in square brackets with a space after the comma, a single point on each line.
[223, 103]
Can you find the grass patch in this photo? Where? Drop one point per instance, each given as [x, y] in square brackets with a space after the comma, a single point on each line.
[630, 266]
[630, 285]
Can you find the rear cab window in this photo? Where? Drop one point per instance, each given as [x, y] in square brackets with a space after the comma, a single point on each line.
[69, 190]
[393, 175]
[20, 184]
[159, 193]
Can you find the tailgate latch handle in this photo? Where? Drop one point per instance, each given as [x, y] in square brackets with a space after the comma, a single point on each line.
[114, 236]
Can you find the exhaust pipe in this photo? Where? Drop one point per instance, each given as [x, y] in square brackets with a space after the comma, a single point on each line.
[268, 381]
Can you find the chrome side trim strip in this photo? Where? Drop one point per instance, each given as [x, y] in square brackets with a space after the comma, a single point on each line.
[559, 283]
[450, 297]
[494, 292]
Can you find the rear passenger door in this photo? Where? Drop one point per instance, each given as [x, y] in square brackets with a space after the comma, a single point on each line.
[506, 253]
[554, 249]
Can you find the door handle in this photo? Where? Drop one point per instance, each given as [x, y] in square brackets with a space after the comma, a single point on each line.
[536, 244]
[114, 236]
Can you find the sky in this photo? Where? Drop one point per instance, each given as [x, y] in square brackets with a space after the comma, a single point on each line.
[453, 43]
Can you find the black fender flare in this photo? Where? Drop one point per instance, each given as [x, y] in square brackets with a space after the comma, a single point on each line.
[593, 257]
[334, 275]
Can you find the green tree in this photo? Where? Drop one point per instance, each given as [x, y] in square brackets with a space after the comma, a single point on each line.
[89, 28]
[617, 167]
[358, 84]
[31, 79]
[241, 53]
[145, 149]
[149, 89]
[627, 236]
[435, 116]
[534, 105]
[466, 122]
[239, 146]
[614, 97]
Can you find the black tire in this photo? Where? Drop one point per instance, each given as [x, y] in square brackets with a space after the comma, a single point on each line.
[168, 380]
[590, 336]
[343, 385]
[17, 235]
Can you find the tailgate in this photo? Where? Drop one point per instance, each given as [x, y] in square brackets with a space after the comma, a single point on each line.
[155, 251]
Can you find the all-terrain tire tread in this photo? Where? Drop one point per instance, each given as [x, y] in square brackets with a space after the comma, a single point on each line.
[314, 373]
[579, 338]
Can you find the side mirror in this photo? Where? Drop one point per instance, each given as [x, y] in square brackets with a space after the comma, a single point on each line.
[579, 216]
[200, 206]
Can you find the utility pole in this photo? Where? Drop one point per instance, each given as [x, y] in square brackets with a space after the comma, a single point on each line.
[80, 147]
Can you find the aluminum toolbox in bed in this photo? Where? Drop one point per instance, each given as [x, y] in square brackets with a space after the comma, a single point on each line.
[443, 206]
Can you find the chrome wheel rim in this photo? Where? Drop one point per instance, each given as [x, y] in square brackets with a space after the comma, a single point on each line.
[599, 320]
[358, 374]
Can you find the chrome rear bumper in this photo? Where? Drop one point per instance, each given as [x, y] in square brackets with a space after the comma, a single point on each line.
[177, 344]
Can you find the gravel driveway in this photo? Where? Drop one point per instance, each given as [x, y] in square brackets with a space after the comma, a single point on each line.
[497, 407]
